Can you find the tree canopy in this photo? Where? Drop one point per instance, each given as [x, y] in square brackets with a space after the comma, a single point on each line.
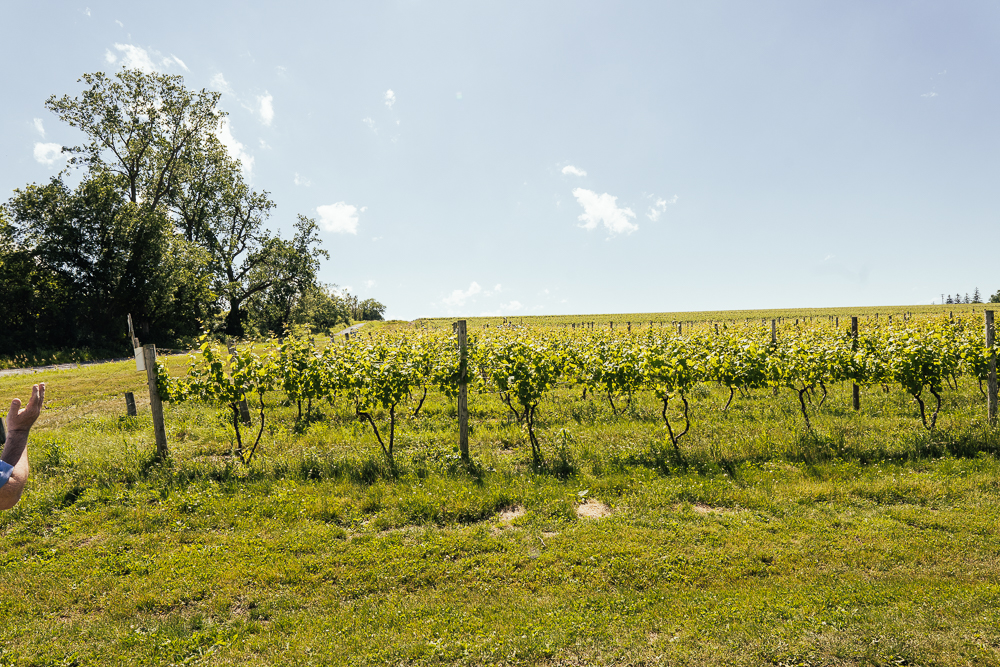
[162, 226]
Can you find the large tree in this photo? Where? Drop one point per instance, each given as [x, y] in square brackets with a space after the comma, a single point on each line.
[97, 257]
[140, 126]
[162, 226]
[161, 141]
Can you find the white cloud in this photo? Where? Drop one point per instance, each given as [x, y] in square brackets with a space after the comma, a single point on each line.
[265, 102]
[39, 128]
[459, 297]
[603, 209]
[264, 144]
[136, 57]
[120, 24]
[48, 154]
[390, 98]
[237, 151]
[929, 95]
[219, 82]
[657, 209]
[133, 57]
[300, 180]
[370, 123]
[497, 289]
[364, 208]
[87, 11]
[573, 171]
[340, 218]
[175, 59]
[370, 284]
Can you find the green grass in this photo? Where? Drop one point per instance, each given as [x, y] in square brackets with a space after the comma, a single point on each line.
[867, 542]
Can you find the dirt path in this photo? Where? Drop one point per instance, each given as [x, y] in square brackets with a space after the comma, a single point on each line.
[57, 367]
[350, 329]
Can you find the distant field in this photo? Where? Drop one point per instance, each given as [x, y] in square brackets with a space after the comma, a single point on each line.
[719, 316]
[867, 541]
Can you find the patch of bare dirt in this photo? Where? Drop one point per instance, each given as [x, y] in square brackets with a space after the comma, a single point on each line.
[511, 513]
[702, 508]
[593, 509]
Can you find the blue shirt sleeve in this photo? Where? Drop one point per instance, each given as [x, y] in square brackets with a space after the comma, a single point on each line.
[5, 470]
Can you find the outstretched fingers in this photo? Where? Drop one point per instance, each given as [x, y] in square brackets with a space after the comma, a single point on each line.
[21, 419]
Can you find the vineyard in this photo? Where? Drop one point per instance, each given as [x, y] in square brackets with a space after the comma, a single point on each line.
[680, 489]
[388, 373]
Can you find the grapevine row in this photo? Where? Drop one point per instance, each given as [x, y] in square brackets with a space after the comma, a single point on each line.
[385, 373]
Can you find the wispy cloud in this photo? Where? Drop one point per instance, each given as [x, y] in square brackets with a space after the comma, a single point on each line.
[340, 218]
[48, 154]
[598, 209]
[657, 209]
[459, 297]
[132, 57]
[573, 171]
[503, 309]
[265, 103]
[264, 144]
[370, 284]
[136, 57]
[175, 59]
[301, 180]
[236, 149]
[929, 95]
[370, 123]
[39, 128]
[390, 98]
[219, 83]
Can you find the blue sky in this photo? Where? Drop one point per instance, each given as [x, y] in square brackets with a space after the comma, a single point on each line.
[577, 157]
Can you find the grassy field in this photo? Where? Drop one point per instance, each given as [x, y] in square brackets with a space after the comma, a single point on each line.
[870, 541]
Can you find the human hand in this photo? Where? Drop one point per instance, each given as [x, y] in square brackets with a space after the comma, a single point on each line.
[21, 419]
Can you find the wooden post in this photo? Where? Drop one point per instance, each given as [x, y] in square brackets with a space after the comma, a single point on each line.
[130, 404]
[856, 390]
[463, 400]
[680, 328]
[774, 333]
[991, 381]
[244, 410]
[156, 407]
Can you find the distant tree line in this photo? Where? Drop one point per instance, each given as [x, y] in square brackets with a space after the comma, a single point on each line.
[976, 298]
[153, 218]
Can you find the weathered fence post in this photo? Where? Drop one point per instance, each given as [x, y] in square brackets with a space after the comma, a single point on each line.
[156, 407]
[856, 390]
[130, 404]
[991, 381]
[463, 399]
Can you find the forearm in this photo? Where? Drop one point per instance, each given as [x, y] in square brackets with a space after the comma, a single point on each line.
[14, 448]
[10, 492]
